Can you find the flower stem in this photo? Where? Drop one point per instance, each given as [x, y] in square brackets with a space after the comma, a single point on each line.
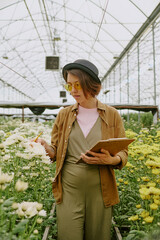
[32, 227]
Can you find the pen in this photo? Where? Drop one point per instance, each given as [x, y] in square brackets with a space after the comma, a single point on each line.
[37, 137]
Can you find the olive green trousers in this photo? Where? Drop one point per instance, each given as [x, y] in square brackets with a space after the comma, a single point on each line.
[82, 214]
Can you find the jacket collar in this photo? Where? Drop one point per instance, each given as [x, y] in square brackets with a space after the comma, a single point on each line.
[75, 107]
[100, 106]
[102, 109]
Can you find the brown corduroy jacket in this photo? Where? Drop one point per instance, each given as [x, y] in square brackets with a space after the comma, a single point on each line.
[112, 127]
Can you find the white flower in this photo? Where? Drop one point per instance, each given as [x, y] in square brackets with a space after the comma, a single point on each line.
[46, 168]
[35, 231]
[2, 145]
[39, 220]
[42, 213]
[6, 157]
[2, 187]
[26, 168]
[34, 174]
[36, 148]
[24, 206]
[20, 213]
[25, 155]
[13, 139]
[2, 133]
[5, 178]
[46, 160]
[39, 206]
[21, 186]
[14, 205]
[29, 209]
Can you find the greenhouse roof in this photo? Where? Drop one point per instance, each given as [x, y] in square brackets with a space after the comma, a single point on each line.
[31, 30]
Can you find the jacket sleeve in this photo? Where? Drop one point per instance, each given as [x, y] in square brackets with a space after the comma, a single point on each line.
[120, 133]
[54, 136]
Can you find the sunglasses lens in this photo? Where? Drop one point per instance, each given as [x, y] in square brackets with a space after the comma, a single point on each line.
[77, 86]
[68, 87]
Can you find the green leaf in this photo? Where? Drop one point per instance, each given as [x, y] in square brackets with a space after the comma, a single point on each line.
[8, 202]
[130, 237]
[20, 226]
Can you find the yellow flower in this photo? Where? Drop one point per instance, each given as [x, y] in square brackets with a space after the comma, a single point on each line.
[126, 182]
[129, 165]
[143, 196]
[157, 201]
[155, 196]
[133, 218]
[148, 197]
[148, 219]
[156, 171]
[151, 184]
[153, 206]
[144, 214]
[144, 191]
[130, 133]
[152, 163]
[120, 180]
[145, 179]
[155, 191]
[138, 206]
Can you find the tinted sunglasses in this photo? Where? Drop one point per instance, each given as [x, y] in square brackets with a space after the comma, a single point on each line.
[76, 85]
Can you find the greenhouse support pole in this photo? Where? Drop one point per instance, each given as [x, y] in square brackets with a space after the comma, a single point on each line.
[109, 96]
[128, 84]
[120, 78]
[22, 114]
[154, 64]
[114, 86]
[3, 95]
[106, 97]
[105, 87]
[138, 78]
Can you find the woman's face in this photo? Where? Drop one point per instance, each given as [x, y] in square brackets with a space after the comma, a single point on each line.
[76, 92]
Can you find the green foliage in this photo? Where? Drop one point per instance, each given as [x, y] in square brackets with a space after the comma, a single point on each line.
[147, 119]
[138, 121]
[154, 235]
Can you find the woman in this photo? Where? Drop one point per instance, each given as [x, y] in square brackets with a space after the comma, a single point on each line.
[85, 190]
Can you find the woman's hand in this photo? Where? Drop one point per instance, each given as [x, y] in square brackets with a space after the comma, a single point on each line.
[103, 158]
[49, 150]
[41, 141]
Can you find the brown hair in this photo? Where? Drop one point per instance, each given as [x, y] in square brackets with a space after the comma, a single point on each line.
[87, 83]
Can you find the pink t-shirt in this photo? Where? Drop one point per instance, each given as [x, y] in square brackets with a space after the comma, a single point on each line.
[86, 118]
